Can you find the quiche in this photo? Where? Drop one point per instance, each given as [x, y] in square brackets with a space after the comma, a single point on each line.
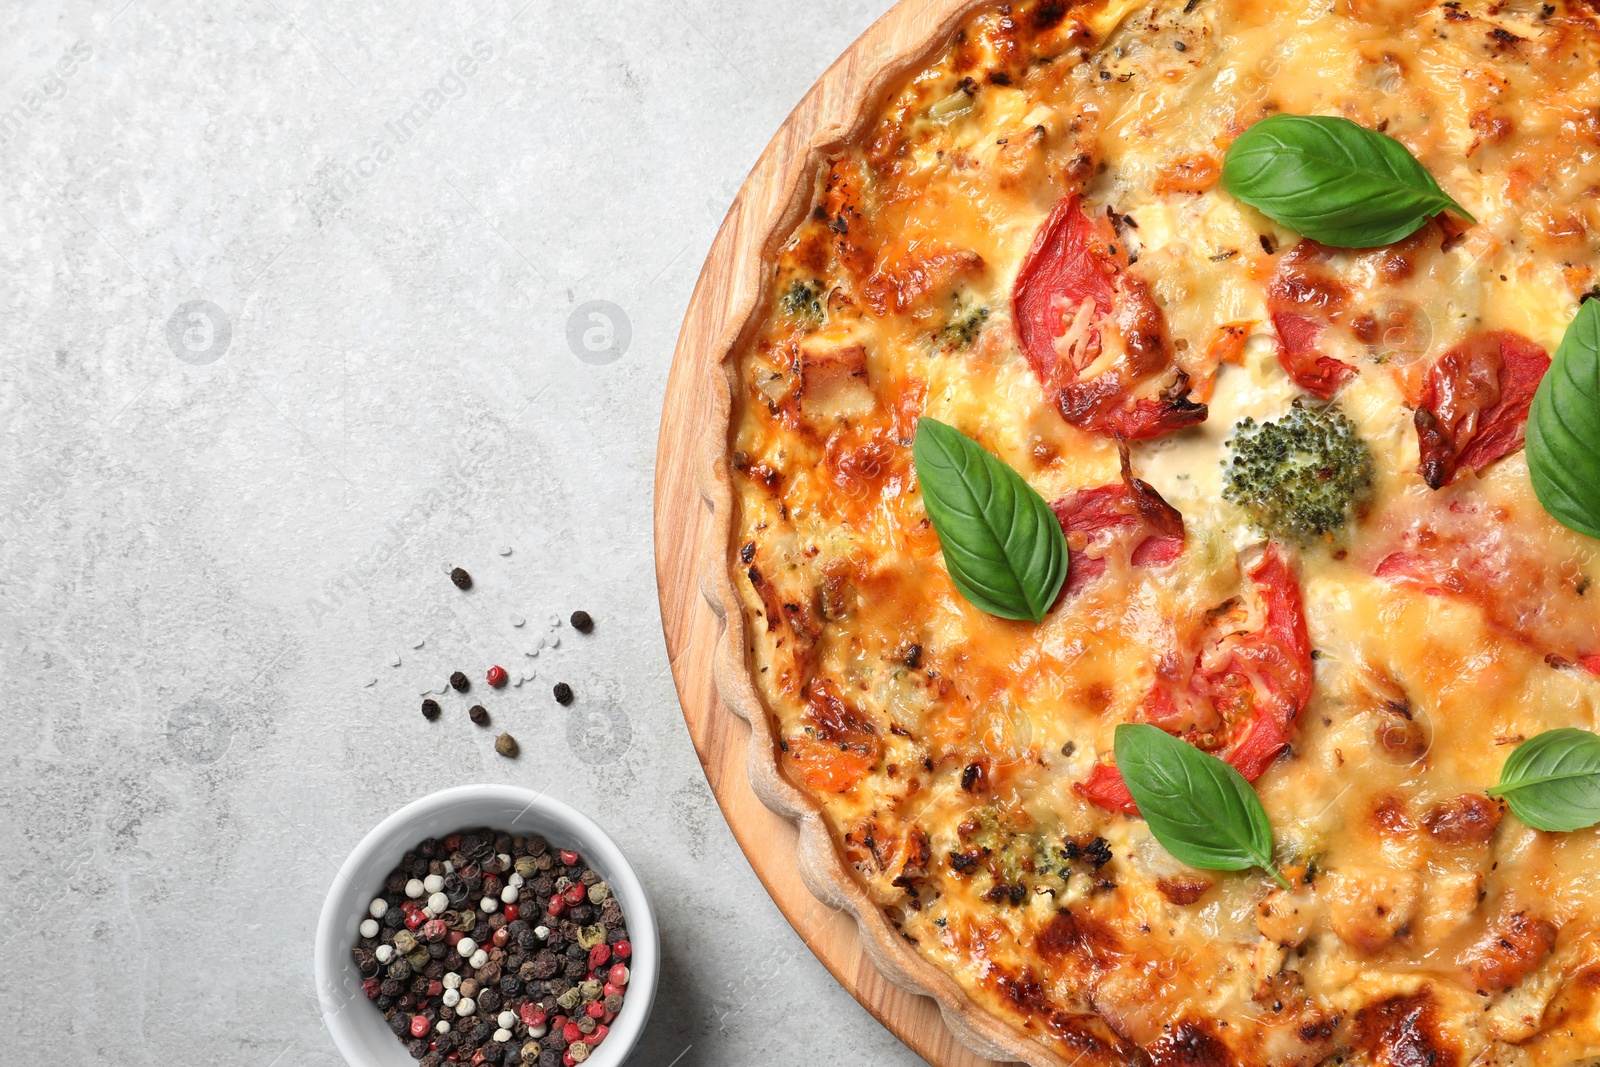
[1033, 237]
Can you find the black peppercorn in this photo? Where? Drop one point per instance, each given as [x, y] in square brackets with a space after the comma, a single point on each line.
[563, 693]
[430, 709]
[462, 579]
[399, 1024]
[459, 683]
[581, 622]
[478, 714]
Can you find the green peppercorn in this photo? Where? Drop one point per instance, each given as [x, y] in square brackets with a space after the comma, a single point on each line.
[506, 745]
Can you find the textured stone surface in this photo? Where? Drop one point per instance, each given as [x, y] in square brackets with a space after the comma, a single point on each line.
[285, 292]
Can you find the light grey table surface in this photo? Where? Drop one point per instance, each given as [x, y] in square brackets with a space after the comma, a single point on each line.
[296, 307]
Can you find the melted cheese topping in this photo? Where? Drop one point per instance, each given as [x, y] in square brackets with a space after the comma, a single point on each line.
[943, 745]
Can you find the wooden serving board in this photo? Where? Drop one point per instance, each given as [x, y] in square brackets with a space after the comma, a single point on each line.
[683, 526]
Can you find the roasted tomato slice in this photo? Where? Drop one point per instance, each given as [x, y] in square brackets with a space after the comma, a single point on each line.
[1127, 516]
[1303, 298]
[1471, 552]
[1094, 335]
[1245, 688]
[1474, 408]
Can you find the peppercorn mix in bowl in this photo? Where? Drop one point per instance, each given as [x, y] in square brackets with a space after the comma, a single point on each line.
[457, 926]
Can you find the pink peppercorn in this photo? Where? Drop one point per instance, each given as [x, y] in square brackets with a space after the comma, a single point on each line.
[569, 858]
[511, 912]
[419, 1026]
[598, 1036]
[557, 906]
[598, 956]
[618, 975]
[612, 990]
[497, 676]
[566, 1058]
[415, 920]
[435, 930]
[575, 894]
[623, 949]
[571, 1033]
[370, 988]
[453, 937]
[531, 1015]
[595, 1009]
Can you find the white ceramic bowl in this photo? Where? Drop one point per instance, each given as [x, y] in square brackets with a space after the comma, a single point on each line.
[357, 1027]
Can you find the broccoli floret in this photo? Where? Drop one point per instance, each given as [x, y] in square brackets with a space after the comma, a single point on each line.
[803, 303]
[964, 326]
[1302, 477]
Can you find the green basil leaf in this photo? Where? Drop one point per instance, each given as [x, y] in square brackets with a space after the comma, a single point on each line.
[1199, 808]
[1002, 544]
[1563, 442]
[1552, 782]
[1333, 181]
